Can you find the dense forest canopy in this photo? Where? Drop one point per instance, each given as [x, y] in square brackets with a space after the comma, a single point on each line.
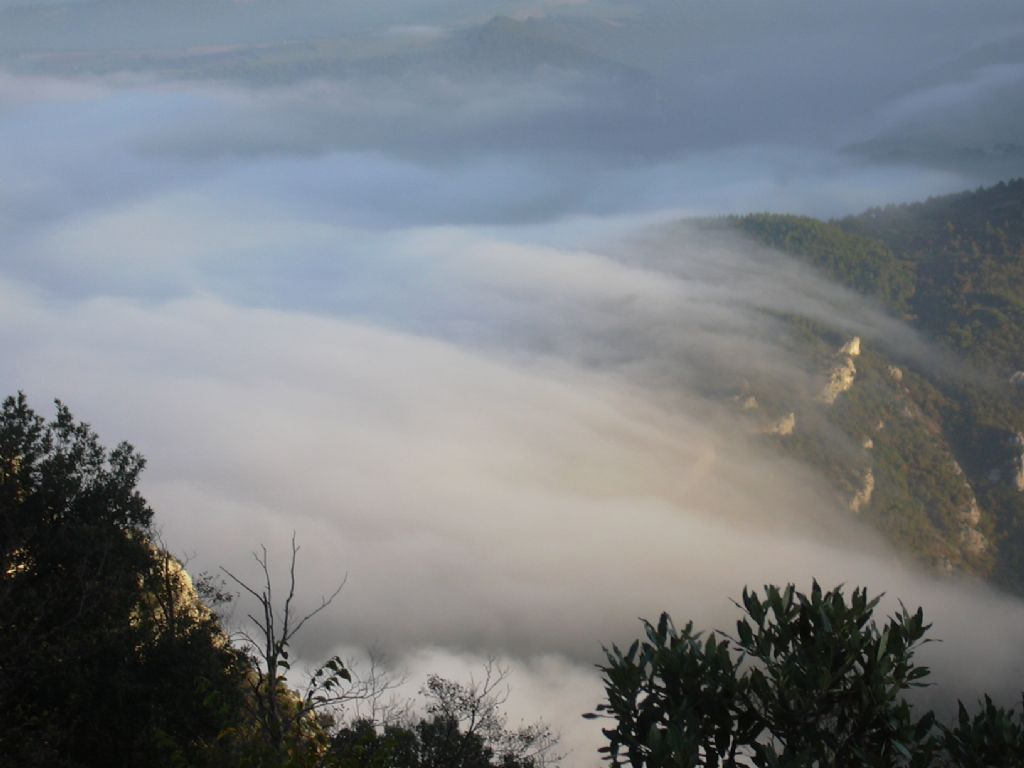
[955, 263]
[953, 267]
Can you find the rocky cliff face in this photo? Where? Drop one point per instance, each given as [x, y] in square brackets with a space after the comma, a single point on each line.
[782, 427]
[842, 375]
[873, 431]
[863, 496]
[1017, 461]
[972, 540]
[945, 450]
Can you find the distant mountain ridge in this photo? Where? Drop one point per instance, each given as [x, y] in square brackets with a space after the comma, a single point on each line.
[933, 123]
[499, 47]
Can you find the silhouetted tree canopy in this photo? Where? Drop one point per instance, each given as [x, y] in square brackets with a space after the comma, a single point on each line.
[807, 680]
[110, 658]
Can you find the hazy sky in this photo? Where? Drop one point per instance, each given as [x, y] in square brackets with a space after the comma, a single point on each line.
[419, 297]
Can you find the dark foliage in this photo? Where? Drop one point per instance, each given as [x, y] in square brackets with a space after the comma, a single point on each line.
[464, 727]
[112, 657]
[860, 262]
[107, 657]
[808, 680]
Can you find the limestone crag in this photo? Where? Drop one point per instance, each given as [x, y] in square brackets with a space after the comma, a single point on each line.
[1017, 466]
[867, 489]
[783, 427]
[851, 348]
[843, 374]
[972, 541]
[973, 514]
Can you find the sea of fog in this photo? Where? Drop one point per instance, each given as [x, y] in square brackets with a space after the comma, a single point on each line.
[462, 354]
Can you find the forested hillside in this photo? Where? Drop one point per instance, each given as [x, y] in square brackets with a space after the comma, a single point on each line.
[938, 464]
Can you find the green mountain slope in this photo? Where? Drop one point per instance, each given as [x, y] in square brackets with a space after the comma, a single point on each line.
[930, 452]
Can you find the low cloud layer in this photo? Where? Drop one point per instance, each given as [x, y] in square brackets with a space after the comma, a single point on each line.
[445, 324]
[523, 472]
[595, 86]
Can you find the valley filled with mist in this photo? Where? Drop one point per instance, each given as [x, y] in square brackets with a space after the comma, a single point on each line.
[533, 318]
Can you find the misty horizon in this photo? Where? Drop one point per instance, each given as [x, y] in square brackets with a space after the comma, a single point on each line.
[424, 283]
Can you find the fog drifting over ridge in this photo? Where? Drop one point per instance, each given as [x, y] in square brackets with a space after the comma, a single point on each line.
[444, 325]
[480, 500]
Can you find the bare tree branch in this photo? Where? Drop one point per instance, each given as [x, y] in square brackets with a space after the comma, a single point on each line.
[283, 712]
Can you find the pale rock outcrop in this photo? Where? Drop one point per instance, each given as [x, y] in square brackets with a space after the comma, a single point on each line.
[863, 497]
[973, 514]
[176, 596]
[172, 600]
[1017, 466]
[749, 403]
[895, 373]
[972, 541]
[840, 379]
[783, 427]
[1017, 379]
[868, 444]
[851, 348]
[842, 375]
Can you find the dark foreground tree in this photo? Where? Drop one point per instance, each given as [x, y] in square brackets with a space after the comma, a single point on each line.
[110, 656]
[992, 737]
[107, 656]
[808, 680]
